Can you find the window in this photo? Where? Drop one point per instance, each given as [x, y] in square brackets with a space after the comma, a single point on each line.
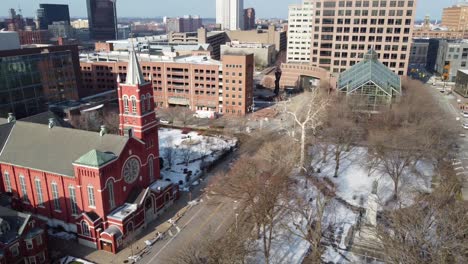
[42, 257]
[14, 250]
[125, 100]
[73, 204]
[151, 168]
[148, 102]
[40, 199]
[55, 196]
[6, 176]
[142, 103]
[110, 187]
[134, 104]
[84, 228]
[29, 244]
[39, 240]
[32, 260]
[91, 201]
[23, 189]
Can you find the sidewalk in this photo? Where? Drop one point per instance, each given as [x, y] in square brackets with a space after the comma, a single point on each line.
[60, 247]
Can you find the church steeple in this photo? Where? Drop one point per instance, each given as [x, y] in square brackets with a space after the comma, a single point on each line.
[134, 75]
[136, 103]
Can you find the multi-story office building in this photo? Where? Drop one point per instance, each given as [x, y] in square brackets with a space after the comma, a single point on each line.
[269, 36]
[300, 24]
[28, 37]
[249, 19]
[32, 78]
[102, 18]
[47, 14]
[9, 40]
[197, 82]
[230, 14]
[451, 57]
[455, 18]
[343, 31]
[419, 50]
[61, 29]
[214, 38]
[183, 24]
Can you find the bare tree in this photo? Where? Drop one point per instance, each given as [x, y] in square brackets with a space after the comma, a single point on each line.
[169, 151]
[261, 184]
[308, 112]
[433, 230]
[308, 221]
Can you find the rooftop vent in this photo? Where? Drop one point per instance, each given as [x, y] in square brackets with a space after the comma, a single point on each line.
[51, 122]
[103, 130]
[11, 118]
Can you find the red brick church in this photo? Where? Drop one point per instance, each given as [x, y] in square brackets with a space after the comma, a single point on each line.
[103, 187]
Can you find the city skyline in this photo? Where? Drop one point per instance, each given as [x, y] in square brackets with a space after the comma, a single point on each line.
[204, 8]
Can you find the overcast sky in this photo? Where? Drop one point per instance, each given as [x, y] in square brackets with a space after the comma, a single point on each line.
[204, 8]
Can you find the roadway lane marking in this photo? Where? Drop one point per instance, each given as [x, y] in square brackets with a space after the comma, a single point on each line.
[206, 221]
[459, 168]
[172, 238]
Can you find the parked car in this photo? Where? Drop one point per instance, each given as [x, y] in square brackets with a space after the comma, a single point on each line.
[465, 114]
[465, 126]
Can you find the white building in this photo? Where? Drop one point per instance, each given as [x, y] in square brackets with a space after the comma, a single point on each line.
[230, 14]
[300, 23]
[451, 57]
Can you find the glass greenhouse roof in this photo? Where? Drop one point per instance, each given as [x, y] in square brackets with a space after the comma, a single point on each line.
[369, 69]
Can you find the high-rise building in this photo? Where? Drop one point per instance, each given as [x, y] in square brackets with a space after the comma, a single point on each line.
[455, 18]
[183, 24]
[102, 17]
[249, 19]
[47, 14]
[300, 21]
[230, 14]
[31, 78]
[343, 31]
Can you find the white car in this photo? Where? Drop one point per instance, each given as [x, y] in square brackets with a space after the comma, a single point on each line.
[465, 126]
[465, 114]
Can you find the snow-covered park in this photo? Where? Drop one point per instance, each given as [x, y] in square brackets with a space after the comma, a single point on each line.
[186, 156]
[352, 187]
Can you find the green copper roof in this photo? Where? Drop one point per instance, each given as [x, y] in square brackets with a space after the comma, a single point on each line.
[95, 158]
[369, 70]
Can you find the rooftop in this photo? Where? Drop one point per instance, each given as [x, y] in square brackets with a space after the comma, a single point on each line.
[53, 150]
[13, 224]
[370, 69]
[114, 56]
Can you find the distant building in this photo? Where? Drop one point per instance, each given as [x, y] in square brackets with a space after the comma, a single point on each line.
[47, 14]
[249, 19]
[34, 37]
[183, 24]
[196, 82]
[9, 40]
[61, 29]
[80, 23]
[32, 78]
[23, 237]
[300, 32]
[455, 18]
[264, 54]
[461, 83]
[419, 51]
[370, 84]
[269, 36]
[230, 14]
[201, 36]
[102, 17]
[452, 55]
[428, 30]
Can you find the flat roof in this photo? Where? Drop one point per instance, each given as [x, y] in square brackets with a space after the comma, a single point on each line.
[114, 56]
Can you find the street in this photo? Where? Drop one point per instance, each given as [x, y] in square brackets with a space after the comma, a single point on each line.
[449, 104]
[202, 222]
